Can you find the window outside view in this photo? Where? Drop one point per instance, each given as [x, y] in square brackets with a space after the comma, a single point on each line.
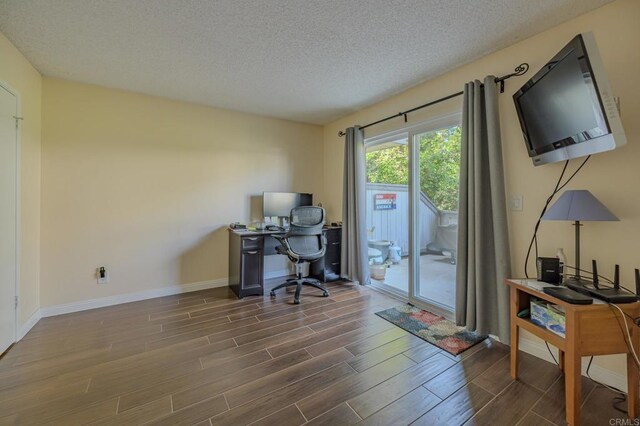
[388, 213]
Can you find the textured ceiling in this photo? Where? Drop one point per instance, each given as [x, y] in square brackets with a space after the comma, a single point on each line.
[310, 61]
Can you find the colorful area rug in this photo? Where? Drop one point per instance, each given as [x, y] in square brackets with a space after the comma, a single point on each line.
[432, 328]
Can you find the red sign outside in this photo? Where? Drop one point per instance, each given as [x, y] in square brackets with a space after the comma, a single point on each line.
[384, 202]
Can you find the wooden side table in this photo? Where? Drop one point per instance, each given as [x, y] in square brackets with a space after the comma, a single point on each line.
[596, 329]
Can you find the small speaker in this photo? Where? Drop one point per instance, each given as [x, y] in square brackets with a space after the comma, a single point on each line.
[548, 270]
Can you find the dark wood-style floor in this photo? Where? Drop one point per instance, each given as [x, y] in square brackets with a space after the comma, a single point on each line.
[209, 358]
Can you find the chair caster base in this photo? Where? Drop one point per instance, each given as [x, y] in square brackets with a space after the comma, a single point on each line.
[299, 282]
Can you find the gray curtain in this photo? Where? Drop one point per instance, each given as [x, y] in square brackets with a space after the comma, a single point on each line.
[482, 299]
[355, 265]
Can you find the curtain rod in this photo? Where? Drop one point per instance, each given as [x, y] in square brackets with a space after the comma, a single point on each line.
[517, 71]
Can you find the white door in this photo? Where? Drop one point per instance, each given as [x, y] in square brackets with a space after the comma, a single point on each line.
[8, 216]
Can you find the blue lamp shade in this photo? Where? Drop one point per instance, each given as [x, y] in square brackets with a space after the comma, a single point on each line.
[579, 205]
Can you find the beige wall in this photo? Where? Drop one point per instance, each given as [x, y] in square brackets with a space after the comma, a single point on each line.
[147, 186]
[18, 72]
[613, 177]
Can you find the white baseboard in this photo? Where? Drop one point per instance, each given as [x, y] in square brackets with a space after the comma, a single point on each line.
[603, 375]
[28, 325]
[101, 302]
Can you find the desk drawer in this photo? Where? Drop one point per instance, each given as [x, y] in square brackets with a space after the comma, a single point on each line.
[334, 245]
[251, 272]
[252, 243]
[332, 254]
[332, 258]
[333, 235]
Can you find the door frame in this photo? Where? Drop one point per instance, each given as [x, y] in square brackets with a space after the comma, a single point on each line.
[441, 121]
[370, 143]
[6, 86]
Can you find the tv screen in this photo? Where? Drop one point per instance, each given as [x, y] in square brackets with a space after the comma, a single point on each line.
[566, 110]
[280, 203]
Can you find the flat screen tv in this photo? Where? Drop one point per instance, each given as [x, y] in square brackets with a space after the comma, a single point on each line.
[567, 109]
[280, 203]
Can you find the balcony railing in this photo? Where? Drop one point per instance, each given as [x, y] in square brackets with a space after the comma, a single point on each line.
[393, 224]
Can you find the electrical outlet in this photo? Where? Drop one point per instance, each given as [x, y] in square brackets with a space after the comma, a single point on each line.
[102, 274]
[515, 203]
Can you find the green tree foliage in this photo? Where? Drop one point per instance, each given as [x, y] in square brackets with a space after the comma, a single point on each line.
[388, 165]
[439, 166]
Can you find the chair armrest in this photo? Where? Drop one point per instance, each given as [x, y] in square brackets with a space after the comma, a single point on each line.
[282, 239]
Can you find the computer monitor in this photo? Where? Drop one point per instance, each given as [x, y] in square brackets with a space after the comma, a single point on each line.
[280, 203]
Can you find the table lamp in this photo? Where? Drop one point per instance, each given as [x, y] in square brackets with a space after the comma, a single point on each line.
[579, 205]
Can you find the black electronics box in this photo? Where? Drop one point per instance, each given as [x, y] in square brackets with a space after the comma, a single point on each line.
[549, 270]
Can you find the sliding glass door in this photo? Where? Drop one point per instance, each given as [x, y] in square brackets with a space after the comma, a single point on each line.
[412, 203]
[387, 207]
[436, 177]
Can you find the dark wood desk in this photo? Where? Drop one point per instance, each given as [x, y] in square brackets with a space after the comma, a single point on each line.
[246, 259]
[596, 329]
